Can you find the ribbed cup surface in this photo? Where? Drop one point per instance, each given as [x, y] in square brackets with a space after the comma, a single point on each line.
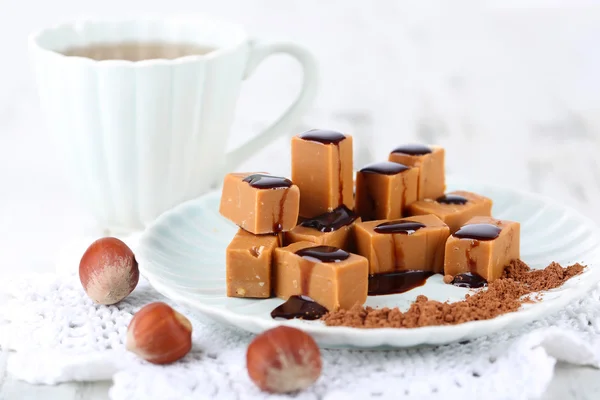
[139, 137]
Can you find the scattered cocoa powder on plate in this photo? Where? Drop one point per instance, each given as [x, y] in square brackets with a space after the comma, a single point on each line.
[502, 296]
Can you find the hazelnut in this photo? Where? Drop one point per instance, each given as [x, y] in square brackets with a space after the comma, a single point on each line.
[283, 360]
[159, 334]
[108, 271]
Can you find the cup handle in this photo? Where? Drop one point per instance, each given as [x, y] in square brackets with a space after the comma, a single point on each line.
[258, 52]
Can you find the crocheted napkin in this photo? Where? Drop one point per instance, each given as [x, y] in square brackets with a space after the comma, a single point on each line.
[57, 334]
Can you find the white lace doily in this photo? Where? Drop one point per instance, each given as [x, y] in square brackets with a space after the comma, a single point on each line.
[57, 334]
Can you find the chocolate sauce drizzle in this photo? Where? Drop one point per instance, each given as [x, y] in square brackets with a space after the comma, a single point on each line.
[323, 136]
[400, 226]
[385, 168]
[262, 181]
[299, 307]
[404, 188]
[278, 225]
[312, 255]
[412, 149]
[305, 274]
[326, 254]
[340, 180]
[478, 232]
[329, 137]
[398, 256]
[469, 280]
[452, 199]
[396, 282]
[331, 221]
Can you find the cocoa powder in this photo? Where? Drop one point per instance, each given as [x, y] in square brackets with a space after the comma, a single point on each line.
[502, 296]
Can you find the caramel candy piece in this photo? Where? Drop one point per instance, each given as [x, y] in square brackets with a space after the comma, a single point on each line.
[330, 276]
[454, 208]
[483, 246]
[260, 203]
[248, 264]
[322, 169]
[384, 189]
[430, 160]
[411, 243]
[335, 228]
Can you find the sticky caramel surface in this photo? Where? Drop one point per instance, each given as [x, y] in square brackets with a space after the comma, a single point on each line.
[454, 214]
[432, 177]
[249, 265]
[324, 174]
[331, 284]
[259, 210]
[484, 257]
[421, 250]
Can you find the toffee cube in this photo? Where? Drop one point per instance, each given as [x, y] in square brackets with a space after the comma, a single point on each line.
[430, 161]
[384, 189]
[330, 276]
[482, 246]
[249, 265]
[260, 203]
[454, 208]
[322, 169]
[412, 243]
[335, 228]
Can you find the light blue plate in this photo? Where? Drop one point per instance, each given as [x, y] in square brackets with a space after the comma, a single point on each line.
[183, 257]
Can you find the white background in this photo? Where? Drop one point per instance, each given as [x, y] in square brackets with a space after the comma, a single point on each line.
[511, 88]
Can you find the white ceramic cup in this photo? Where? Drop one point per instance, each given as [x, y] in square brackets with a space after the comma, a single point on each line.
[140, 137]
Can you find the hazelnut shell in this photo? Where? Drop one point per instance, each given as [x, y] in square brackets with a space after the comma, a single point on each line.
[108, 271]
[159, 334]
[283, 360]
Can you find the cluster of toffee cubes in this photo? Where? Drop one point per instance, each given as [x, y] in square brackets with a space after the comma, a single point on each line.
[322, 235]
